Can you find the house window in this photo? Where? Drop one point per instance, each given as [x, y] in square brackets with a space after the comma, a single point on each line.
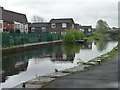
[89, 30]
[53, 25]
[18, 26]
[43, 29]
[21, 25]
[32, 29]
[72, 25]
[8, 24]
[62, 33]
[15, 26]
[64, 25]
[82, 30]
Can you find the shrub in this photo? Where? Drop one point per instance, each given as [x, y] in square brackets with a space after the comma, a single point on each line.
[69, 37]
[72, 35]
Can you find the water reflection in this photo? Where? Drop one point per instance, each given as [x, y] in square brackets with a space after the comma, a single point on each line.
[26, 65]
[70, 50]
[101, 44]
[14, 64]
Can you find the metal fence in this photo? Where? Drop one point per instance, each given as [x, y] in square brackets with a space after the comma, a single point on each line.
[12, 39]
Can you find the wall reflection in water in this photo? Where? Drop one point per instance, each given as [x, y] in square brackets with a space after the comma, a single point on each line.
[59, 53]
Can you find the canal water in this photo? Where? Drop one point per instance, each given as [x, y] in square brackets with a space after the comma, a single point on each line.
[24, 66]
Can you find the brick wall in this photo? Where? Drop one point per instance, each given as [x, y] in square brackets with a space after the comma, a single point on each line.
[8, 26]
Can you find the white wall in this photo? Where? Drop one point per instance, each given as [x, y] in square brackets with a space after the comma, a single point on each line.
[1, 25]
[26, 28]
[22, 27]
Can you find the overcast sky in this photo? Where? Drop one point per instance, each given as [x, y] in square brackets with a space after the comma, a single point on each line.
[84, 12]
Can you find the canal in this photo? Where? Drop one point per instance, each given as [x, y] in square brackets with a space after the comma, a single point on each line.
[24, 66]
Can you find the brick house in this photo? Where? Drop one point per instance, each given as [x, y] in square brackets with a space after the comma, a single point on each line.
[54, 26]
[87, 30]
[12, 21]
[39, 27]
[62, 24]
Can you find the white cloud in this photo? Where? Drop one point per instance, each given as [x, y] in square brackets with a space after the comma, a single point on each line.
[83, 11]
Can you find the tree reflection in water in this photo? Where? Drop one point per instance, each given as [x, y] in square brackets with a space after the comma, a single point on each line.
[71, 49]
[101, 44]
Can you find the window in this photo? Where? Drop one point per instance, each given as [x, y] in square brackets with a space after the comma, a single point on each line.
[64, 25]
[32, 29]
[89, 30]
[43, 29]
[21, 26]
[62, 33]
[72, 25]
[8, 24]
[82, 30]
[53, 25]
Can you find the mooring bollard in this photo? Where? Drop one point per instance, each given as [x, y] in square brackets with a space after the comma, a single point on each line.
[23, 85]
[56, 70]
[99, 61]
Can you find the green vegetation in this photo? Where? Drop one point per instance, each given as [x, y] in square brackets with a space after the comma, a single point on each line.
[101, 44]
[72, 35]
[112, 53]
[108, 55]
[101, 29]
[99, 33]
[102, 26]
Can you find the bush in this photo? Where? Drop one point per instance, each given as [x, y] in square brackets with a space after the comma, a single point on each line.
[69, 37]
[72, 35]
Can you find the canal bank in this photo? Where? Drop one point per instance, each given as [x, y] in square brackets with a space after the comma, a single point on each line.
[92, 75]
[25, 47]
[100, 76]
[35, 63]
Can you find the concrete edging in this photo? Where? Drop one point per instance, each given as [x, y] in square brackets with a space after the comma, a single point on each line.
[24, 47]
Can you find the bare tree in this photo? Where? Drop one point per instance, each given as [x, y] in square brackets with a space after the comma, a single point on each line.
[37, 19]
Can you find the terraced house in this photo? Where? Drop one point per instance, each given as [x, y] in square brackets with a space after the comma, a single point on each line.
[12, 21]
[87, 30]
[39, 27]
[54, 26]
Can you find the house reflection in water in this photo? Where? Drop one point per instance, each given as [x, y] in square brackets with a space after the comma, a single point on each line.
[62, 57]
[14, 64]
[87, 45]
[68, 54]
